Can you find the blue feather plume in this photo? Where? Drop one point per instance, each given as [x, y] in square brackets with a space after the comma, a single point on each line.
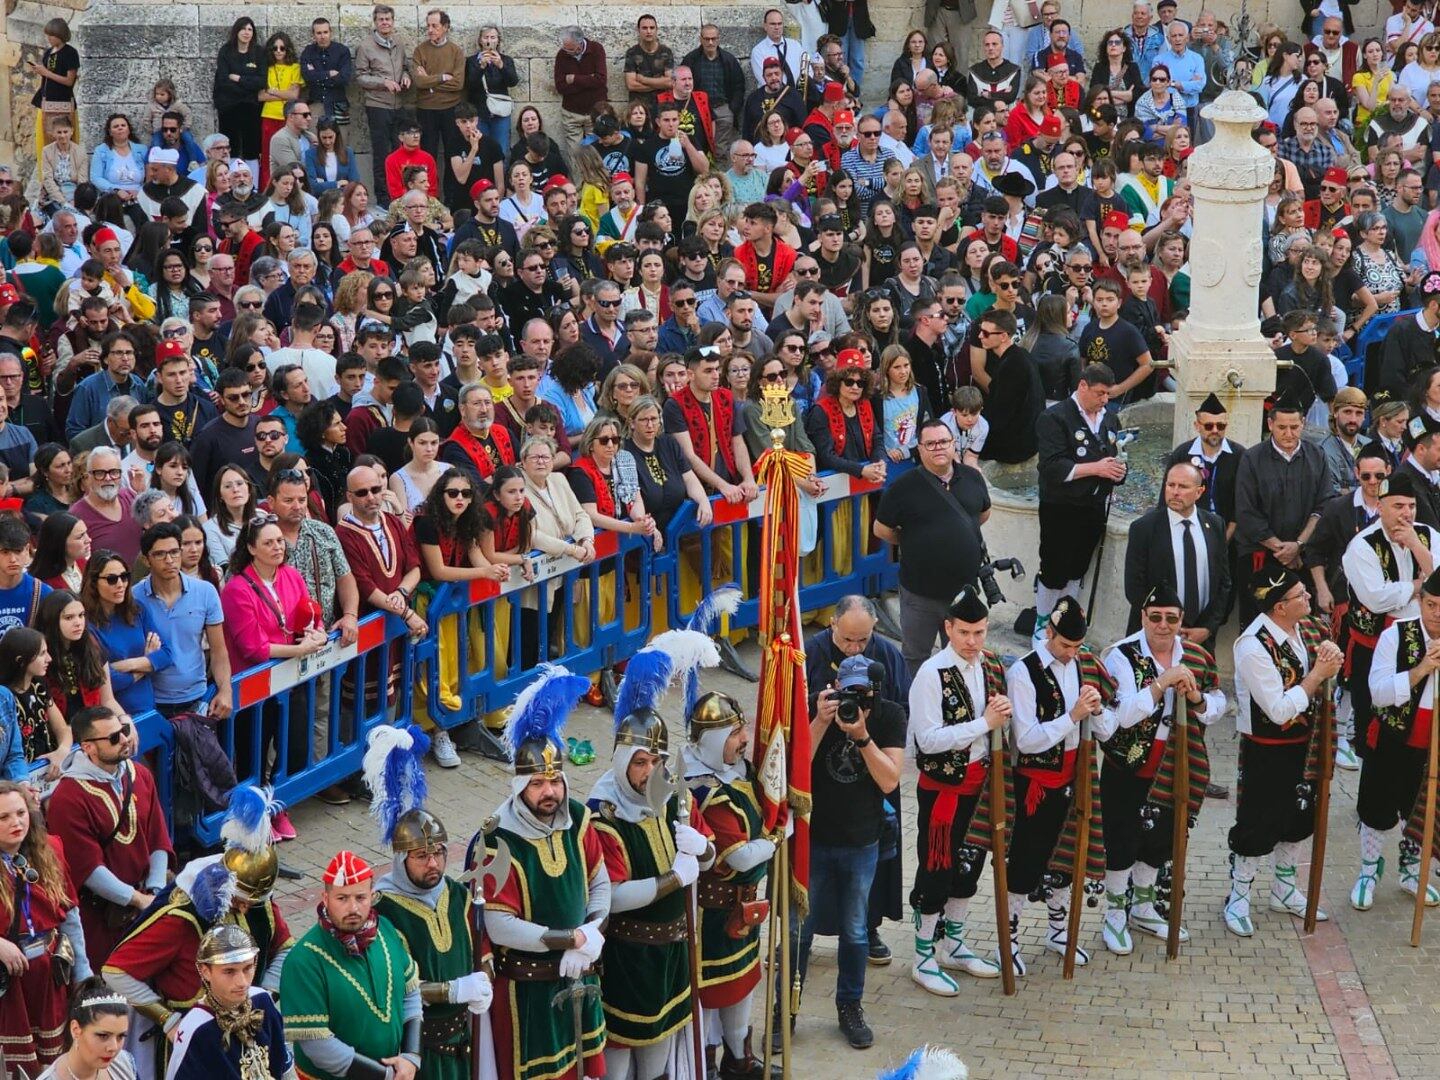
[212, 892]
[543, 707]
[247, 820]
[646, 676]
[929, 1063]
[906, 1071]
[394, 770]
[724, 601]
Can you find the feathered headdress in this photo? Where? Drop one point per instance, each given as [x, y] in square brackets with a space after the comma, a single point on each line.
[724, 601]
[212, 891]
[543, 707]
[929, 1063]
[671, 655]
[394, 770]
[247, 821]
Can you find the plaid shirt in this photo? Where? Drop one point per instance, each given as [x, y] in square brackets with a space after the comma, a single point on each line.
[869, 176]
[1310, 164]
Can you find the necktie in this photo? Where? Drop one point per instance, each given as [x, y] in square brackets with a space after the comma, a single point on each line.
[1190, 588]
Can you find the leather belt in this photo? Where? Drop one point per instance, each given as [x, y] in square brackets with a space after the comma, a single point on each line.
[526, 967]
[715, 894]
[436, 1034]
[640, 932]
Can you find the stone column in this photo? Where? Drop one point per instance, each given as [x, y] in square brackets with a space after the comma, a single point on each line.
[1220, 348]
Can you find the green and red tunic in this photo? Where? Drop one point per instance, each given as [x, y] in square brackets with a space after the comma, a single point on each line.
[729, 966]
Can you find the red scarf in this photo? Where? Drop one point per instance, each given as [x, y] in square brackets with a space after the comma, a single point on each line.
[354, 944]
[604, 499]
[836, 416]
[506, 527]
[479, 450]
[722, 412]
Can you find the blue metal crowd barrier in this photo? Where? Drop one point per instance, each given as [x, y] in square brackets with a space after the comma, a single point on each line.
[1373, 332]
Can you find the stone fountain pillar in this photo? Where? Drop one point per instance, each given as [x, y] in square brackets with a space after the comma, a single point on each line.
[1220, 348]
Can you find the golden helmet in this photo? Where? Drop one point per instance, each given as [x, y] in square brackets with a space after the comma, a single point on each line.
[255, 872]
[643, 729]
[418, 830]
[540, 757]
[715, 711]
[226, 943]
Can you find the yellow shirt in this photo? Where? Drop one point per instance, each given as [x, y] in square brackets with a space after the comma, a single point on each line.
[279, 77]
[594, 204]
[1380, 87]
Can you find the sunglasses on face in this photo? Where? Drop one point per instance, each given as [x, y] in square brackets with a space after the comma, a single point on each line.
[690, 302]
[384, 294]
[459, 493]
[852, 382]
[117, 578]
[608, 440]
[115, 738]
[359, 493]
[1372, 476]
[1168, 618]
[1215, 425]
[544, 244]
[774, 376]
[269, 436]
[808, 270]
[607, 303]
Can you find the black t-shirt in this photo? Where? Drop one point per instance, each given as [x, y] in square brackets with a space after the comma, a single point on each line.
[884, 255]
[847, 801]
[210, 353]
[939, 526]
[584, 488]
[1024, 316]
[675, 425]
[617, 158]
[486, 157]
[839, 276]
[662, 478]
[390, 446]
[61, 61]
[1119, 348]
[669, 174]
[1082, 200]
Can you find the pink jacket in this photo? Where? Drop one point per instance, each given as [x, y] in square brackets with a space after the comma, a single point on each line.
[250, 623]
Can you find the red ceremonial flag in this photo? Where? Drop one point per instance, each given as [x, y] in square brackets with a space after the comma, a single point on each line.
[782, 715]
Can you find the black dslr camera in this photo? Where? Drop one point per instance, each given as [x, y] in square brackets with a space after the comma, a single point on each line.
[993, 593]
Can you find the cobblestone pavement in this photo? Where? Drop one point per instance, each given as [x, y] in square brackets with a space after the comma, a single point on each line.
[1353, 1000]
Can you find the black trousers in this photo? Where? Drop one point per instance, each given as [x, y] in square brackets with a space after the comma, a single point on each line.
[1358, 683]
[384, 138]
[1127, 840]
[441, 138]
[1033, 839]
[1390, 779]
[933, 887]
[241, 125]
[1266, 810]
[1069, 535]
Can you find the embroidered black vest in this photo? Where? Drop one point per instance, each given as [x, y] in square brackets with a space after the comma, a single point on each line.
[957, 707]
[1363, 621]
[1397, 720]
[1261, 726]
[1130, 747]
[1049, 705]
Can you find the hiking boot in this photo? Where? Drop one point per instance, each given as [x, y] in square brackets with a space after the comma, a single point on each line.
[851, 1015]
[879, 953]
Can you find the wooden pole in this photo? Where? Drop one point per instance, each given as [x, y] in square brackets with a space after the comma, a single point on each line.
[1324, 772]
[1180, 839]
[1083, 796]
[1427, 830]
[999, 871]
[787, 991]
[773, 933]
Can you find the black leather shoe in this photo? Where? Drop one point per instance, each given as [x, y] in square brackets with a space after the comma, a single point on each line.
[879, 951]
[1217, 791]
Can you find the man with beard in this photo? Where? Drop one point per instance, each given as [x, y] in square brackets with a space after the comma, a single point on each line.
[544, 918]
[235, 1031]
[243, 193]
[147, 433]
[165, 182]
[723, 782]
[241, 242]
[230, 437]
[1347, 414]
[118, 874]
[350, 990]
[116, 378]
[398, 248]
[428, 909]
[154, 966]
[653, 854]
[485, 224]
[30, 411]
[773, 93]
[105, 506]
[478, 443]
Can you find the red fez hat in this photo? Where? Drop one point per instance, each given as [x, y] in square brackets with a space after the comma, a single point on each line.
[167, 349]
[347, 868]
[559, 180]
[1116, 219]
[834, 93]
[851, 358]
[1336, 175]
[1050, 126]
[9, 294]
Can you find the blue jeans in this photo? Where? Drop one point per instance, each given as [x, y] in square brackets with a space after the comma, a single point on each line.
[840, 879]
[854, 55]
[498, 128]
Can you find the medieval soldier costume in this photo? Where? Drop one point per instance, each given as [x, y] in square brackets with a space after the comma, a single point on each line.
[39, 916]
[1281, 667]
[723, 784]
[544, 917]
[1150, 667]
[1055, 690]
[350, 991]
[154, 965]
[653, 855]
[952, 702]
[116, 842]
[222, 1039]
[1396, 738]
[430, 910]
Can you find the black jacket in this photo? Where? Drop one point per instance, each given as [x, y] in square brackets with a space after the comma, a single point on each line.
[1065, 440]
[1150, 561]
[480, 83]
[1219, 494]
[734, 77]
[1012, 407]
[250, 66]
[840, 16]
[1340, 520]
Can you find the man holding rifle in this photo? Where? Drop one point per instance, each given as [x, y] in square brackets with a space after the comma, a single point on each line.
[957, 699]
[1281, 669]
[1151, 668]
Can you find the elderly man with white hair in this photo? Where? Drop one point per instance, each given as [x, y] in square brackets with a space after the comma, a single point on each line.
[217, 148]
[106, 508]
[580, 80]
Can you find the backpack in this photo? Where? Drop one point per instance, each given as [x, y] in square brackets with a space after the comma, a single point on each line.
[203, 774]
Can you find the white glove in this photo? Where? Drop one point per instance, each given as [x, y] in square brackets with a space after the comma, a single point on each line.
[689, 841]
[473, 990]
[687, 869]
[769, 848]
[572, 964]
[594, 942]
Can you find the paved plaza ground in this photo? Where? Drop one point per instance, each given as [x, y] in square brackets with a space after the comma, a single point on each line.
[1354, 1000]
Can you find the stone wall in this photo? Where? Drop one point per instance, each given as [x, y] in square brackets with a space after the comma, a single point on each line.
[125, 47]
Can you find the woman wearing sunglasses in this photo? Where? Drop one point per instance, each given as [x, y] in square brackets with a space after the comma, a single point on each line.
[766, 375]
[128, 634]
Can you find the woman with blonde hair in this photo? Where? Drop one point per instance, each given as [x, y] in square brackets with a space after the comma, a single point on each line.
[588, 171]
[625, 385]
[350, 301]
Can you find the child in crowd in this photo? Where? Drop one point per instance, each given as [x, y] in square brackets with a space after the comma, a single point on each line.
[414, 311]
[164, 98]
[542, 418]
[967, 425]
[92, 283]
[1140, 311]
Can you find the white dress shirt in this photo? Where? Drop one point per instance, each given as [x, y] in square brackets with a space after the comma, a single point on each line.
[1034, 737]
[1390, 688]
[1257, 678]
[1136, 704]
[787, 49]
[928, 733]
[1202, 554]
[1362, 572]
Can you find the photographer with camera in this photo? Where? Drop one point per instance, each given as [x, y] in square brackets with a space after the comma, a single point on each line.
[858, 739]
[934, 513]
[852, 633]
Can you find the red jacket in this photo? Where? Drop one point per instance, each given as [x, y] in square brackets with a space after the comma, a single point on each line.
[702, 107]
[395, 166]
[243, 255]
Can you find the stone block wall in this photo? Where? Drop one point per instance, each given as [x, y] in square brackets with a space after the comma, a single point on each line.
[125, 47]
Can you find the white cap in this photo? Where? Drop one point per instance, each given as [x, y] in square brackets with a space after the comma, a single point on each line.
[164, 156]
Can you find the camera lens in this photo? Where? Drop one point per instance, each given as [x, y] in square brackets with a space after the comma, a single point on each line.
[849, 710]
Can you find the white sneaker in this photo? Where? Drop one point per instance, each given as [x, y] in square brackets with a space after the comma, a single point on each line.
[955, 955]
[443, 750]
[925, 971]
[1056, 938]
[1114, 931]
[1362, 896]
[1345, 757]
[1144, 917]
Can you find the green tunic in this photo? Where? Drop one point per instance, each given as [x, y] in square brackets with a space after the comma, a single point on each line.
[441, 943]
[646, 988]
[360, 1000]
[729, 967]
[549, 884]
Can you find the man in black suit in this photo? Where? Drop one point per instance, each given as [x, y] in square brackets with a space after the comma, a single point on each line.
[1077, 441]
[1421, 463]
[1181, 545]
[1217, 457]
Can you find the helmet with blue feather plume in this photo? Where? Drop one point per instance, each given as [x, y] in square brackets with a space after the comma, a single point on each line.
[394, 770]
[671, 655]
[706, 619]
[212, 891]
[249, 842]
[929, 1063]
[538, 717]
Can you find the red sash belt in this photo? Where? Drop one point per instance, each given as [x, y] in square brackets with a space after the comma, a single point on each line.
[942, 814]
[1043, 780]
[1152, 761]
